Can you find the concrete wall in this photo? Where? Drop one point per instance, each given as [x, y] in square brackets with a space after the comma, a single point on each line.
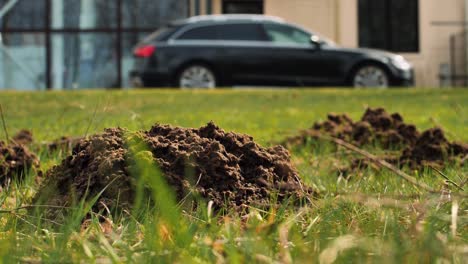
[434, 40]
[338, 20]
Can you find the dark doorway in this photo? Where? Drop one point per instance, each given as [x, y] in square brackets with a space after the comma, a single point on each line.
[243, 7]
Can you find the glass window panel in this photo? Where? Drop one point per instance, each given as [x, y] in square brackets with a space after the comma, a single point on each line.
[201, 33]
[241, 7]
[152, 14]
[373, 24]
[247, 32]
[85, 60]
[84, 14]
[162, 34]
[405, 25]
[25, 14]
[286, 34]
[22, 61]
[251, 32]
[389, 24]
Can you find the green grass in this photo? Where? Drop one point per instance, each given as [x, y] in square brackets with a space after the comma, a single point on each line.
[373, 217]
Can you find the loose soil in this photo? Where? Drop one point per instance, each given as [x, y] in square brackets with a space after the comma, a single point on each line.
[23, 137]
[432, 148]
[388, 132]
[15, 160]
[375, 127]
[227, 168]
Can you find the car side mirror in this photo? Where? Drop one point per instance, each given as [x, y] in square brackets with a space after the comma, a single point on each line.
[316, 42]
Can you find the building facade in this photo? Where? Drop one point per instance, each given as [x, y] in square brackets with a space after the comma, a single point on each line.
[421, 30]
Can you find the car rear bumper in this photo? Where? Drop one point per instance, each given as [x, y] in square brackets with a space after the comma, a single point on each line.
[150, 79]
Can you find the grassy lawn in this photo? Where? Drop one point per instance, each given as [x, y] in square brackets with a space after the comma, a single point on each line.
[372, 217]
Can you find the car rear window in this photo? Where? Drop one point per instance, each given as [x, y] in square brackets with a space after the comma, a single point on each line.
[251, 31]
[162, 34]
[200, 33]
[242, 32]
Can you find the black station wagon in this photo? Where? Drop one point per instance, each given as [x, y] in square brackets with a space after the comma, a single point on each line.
[236, 50]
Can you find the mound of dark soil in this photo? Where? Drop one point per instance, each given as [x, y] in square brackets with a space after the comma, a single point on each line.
[93, 165]
[390, 132]
[227, 168]
[230, 167]
[15, 160]
[23, 137]
[375, 126]
[432, 148]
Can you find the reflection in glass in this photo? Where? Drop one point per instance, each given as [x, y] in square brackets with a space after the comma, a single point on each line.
[84, 14]
[86, 60]
[152, 14]
[22, 61]
[25, 14]
[78, 59]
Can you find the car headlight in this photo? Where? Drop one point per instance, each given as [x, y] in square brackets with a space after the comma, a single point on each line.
[400, 63]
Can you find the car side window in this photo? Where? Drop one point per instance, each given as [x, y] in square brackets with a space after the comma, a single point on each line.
[286, 34]
[200, 33]
[242, 32]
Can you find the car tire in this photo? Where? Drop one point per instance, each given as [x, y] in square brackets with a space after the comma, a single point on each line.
[196, 76]
[370, 76]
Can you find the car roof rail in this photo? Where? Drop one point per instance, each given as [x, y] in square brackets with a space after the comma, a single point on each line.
[228, 17]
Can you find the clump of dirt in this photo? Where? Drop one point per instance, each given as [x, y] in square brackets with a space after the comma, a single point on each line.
[375, 126]
[390, 132]
[231, 167]
[93, 165]
[432, 148]
[15, 160]
[227, 168]
[23, 137]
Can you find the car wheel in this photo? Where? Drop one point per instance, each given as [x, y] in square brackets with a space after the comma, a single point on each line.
[196, 76]
[370, 76]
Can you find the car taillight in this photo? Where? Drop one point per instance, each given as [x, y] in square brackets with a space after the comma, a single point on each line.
[144, 51]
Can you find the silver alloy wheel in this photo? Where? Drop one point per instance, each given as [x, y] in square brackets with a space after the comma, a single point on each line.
[371, 76]
[197, 76]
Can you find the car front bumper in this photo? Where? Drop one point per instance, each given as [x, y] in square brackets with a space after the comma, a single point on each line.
[403, 78]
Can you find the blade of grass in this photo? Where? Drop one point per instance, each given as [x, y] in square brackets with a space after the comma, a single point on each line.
[4, 124]
[447, 178]
[91, 120]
